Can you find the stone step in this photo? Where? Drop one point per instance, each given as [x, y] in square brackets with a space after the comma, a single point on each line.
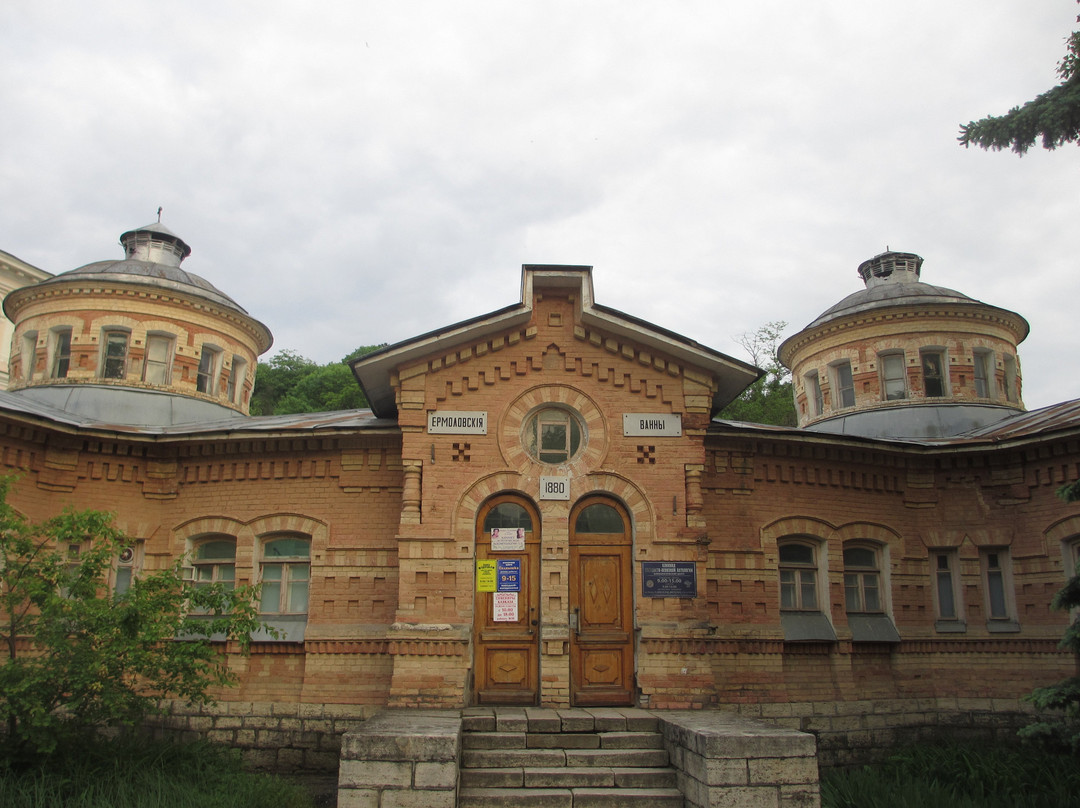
[563, 777]
[541, 719]
[621, 758]
[569, 798]
[562, 740]
[551, 758]
[572, 758]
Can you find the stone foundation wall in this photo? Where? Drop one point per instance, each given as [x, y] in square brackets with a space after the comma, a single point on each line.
[306, 738]
[726, 759]
[272, 736]
[852, 733]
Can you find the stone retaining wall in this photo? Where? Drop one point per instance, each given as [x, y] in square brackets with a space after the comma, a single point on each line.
[401, 759]
[272, 736]
[306, 738]
[724, 759]
[854, 733]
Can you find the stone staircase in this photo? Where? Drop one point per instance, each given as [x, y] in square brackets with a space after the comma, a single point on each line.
[575, 758]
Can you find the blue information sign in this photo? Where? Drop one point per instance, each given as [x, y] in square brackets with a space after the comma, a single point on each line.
[508, 575]
[669, 579]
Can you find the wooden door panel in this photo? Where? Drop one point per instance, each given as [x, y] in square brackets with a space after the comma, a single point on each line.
[602, 643]
[507, 673]
[506, 654]
[601, 595]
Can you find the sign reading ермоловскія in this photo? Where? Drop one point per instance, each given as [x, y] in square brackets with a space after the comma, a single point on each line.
[450, 422]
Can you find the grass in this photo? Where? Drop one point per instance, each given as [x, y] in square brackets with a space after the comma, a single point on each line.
[136, 773]
[955, 776]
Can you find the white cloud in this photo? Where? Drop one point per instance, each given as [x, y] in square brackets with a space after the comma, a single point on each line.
[354, 173]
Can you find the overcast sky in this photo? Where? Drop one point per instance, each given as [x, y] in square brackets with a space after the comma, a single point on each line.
[355, 173]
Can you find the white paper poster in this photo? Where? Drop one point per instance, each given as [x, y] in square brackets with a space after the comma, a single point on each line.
[507, 539]
[506, 607]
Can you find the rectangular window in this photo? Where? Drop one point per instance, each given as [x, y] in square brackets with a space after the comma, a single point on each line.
[814, 399]
[843, 384]
[127, 567]
[61, 353]
[206, 382]
[28, 355]
[158, 362]
[236, 379]
[948, 607]
[893, 377]
[935, 378]
[114, 354]
[798, 578]
[1010, 378]
[945, 580]
[984, 374]
[997, 606]
[553, 439]
[997, 590]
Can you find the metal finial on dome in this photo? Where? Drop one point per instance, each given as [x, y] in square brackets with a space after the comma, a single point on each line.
[891, 267]
[155, 243]
[159, 215]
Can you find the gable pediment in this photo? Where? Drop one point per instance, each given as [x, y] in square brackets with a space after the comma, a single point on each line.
[634, 352]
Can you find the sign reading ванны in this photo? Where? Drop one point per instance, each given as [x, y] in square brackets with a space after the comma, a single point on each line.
[652, 424]
[450, 422]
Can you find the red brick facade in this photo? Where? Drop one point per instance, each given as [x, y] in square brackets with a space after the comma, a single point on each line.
[389, 509]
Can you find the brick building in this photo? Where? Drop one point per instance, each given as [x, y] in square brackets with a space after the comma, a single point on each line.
[541, 507]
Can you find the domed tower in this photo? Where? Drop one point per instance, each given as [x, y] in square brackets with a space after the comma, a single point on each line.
[137, 340]
[902, 358]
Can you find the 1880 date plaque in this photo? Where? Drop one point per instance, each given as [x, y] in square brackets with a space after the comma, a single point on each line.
[669, 579]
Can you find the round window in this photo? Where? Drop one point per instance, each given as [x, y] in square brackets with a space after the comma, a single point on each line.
[552, 435]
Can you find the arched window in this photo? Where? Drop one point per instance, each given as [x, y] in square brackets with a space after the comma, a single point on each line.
[214, 561]
[862, 579]
[866, 593]
[507, 515]
[803, 612]
[284, 574]
[599, 517]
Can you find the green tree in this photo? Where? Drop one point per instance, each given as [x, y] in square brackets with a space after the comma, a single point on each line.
[1062, 730]
[290, 383]
[1052, 117]
[79, 654]
[768, 400]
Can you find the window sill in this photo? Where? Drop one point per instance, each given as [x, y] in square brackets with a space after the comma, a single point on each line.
[877, 628]
[806, 627]
[290, 628]
[1002, 626]
[950, 626]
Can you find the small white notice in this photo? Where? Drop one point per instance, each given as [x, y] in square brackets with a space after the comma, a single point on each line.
[448, 422]
[507, 539]
[506, 607]
[652, 424]
[555, 488]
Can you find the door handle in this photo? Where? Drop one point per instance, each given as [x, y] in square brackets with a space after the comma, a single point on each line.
[575, 622]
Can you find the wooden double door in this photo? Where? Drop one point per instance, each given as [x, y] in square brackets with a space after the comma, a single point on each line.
[598, 600]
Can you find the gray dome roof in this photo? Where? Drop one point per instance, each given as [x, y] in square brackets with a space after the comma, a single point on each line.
[153, 254]
[152, 274]
[891, 294]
